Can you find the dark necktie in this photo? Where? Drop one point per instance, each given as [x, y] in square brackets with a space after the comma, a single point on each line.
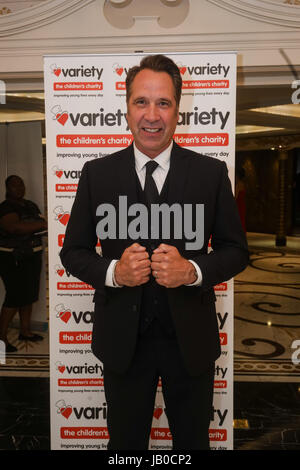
[150, 189]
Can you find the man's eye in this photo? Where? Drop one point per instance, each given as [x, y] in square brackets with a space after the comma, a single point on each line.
[164, 104]
[140, 102]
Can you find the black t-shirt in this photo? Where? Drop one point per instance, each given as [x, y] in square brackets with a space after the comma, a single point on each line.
[29, 211]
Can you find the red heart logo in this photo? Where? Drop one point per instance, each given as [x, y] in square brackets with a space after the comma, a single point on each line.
[57, 72]
[60, 272]
[66, 411]
[59, 173]
[64, 218]
[182, 70]
[61, 368]
[62, 118]
[65, 316]
[158, 412]
[119, 71]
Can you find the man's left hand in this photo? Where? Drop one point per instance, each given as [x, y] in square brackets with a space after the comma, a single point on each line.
[170, 269]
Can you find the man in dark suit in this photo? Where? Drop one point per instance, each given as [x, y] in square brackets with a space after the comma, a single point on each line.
[154, 298]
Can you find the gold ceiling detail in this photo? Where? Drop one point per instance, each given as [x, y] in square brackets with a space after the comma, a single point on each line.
[280, 12]
[292, 2]
[5, 11]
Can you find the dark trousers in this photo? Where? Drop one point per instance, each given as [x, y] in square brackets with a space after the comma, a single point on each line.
[131, 397]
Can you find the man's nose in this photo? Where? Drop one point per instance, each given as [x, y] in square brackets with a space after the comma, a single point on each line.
[152, 114]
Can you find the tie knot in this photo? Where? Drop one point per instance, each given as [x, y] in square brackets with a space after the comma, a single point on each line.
[150, 167]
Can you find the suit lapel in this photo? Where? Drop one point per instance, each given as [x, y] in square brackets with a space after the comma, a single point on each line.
[126, 175]
[178, 174]
[178, 178]
[126, 182]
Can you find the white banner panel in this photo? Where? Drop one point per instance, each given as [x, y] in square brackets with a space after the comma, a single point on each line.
[85, 119]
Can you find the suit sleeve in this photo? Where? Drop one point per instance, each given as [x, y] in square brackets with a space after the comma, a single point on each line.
[78, 254]
[229, 255]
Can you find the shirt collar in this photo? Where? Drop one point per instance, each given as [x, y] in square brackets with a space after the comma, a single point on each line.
[163, 159]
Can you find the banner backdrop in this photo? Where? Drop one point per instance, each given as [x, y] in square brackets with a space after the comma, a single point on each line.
[85, 119]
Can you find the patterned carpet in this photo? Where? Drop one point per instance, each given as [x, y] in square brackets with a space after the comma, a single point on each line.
[267, 317]
[31, 359]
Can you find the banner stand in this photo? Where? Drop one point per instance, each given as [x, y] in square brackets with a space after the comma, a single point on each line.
[85, 119]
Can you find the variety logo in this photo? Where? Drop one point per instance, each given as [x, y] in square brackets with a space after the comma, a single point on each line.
[85, 369]
[81, 72]
[88, 412]
[182, 68]
[55, 70]
[63, 409]
[61, 215]
[59, 115]
[100, 118]
[203, 118]
[120, 69]
[60, 367]
[58, 269]
[65, 314]
[67, 174]
[57, 172]
[208, 69]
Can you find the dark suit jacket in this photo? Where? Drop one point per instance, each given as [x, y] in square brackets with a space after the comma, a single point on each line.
[193, 178]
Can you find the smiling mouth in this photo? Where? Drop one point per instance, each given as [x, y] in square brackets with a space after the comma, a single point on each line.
[152, 130]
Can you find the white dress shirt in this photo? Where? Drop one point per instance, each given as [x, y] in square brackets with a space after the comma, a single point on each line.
[159, 175]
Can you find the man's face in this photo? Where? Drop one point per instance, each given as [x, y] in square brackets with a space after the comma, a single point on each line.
[152, 112]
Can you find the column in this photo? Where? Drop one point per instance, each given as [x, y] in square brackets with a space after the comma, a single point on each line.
[282, 198]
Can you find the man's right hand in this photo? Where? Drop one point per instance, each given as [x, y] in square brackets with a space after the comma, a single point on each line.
[134, 266]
